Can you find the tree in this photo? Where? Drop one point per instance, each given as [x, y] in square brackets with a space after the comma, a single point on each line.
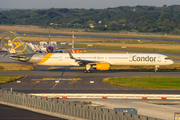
[77, 25]
[114, 25]
[165, 16]
[69, 25]
[164, 5]
[141, 18]
[90, 22]
[150, 8]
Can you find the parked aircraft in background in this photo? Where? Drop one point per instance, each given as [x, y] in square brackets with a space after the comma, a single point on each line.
[7, 47]
[47, 48]
[99, 61]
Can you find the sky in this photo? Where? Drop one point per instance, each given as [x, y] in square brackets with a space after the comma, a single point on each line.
[96, 4]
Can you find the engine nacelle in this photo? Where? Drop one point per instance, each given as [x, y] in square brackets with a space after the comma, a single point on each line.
[102, 66]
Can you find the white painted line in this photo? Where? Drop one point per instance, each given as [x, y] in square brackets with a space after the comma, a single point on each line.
[18, 81]
[54, 86]
[91, 81]
[57, 81]
[89, 45]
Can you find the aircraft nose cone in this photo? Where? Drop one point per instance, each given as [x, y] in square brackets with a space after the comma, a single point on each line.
[172, 62]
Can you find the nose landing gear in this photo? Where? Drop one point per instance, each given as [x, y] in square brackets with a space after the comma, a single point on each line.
[156, 68]
[87, 70]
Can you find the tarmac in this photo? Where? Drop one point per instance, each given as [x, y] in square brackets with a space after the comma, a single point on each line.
[47, 77]
[14, 113]
[142, 106]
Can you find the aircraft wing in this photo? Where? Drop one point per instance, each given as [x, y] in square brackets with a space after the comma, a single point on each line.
[85, 62]
[82, 62]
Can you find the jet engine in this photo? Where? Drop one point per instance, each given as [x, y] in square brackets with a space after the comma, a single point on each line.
[50, 49]
[102, 66]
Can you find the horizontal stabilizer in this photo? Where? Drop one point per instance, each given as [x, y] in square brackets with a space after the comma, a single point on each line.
[18, 56]
[5, 55]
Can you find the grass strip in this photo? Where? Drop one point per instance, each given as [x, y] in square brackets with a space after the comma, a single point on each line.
[15, 67]
[171, 83]
[36, 29]
[131, 48]
[7, 79]
[169, 68]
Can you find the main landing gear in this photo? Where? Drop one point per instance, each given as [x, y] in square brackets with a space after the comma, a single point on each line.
[156, 68]
[87, 70]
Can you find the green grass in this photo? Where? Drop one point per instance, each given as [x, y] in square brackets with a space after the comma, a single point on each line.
[7, 79]
[172, 83]
[15, 67]
[130, 48]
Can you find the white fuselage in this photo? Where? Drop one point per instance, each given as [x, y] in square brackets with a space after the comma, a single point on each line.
[63, 59]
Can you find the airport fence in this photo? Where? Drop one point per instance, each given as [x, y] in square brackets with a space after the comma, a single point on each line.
[72, 109]
[109, 96]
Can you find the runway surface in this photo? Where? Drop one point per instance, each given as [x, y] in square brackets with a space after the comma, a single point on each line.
[82, 80]
[14, 113]
[43, 79]
[74, 80]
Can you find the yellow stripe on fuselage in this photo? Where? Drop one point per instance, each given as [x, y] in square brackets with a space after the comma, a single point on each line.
[46, 58]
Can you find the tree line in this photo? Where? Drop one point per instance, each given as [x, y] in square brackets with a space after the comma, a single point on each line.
[164, 19]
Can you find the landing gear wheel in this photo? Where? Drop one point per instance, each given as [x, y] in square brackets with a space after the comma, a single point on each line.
[87, 71]
[156, 68]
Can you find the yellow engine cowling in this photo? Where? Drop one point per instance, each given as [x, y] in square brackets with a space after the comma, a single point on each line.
[102, 66]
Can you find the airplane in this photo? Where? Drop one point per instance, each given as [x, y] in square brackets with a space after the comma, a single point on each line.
[45, 48]
[98, 61]
[51, 47]
[8, 48]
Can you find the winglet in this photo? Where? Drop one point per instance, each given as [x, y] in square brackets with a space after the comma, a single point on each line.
[70, 55]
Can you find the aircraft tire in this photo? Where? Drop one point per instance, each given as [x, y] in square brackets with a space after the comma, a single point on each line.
[87, 71]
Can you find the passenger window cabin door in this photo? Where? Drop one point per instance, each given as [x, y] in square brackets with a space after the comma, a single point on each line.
[60, 58]
[130, 58]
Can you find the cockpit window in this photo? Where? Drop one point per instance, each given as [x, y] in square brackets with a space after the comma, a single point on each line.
[167, 58]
